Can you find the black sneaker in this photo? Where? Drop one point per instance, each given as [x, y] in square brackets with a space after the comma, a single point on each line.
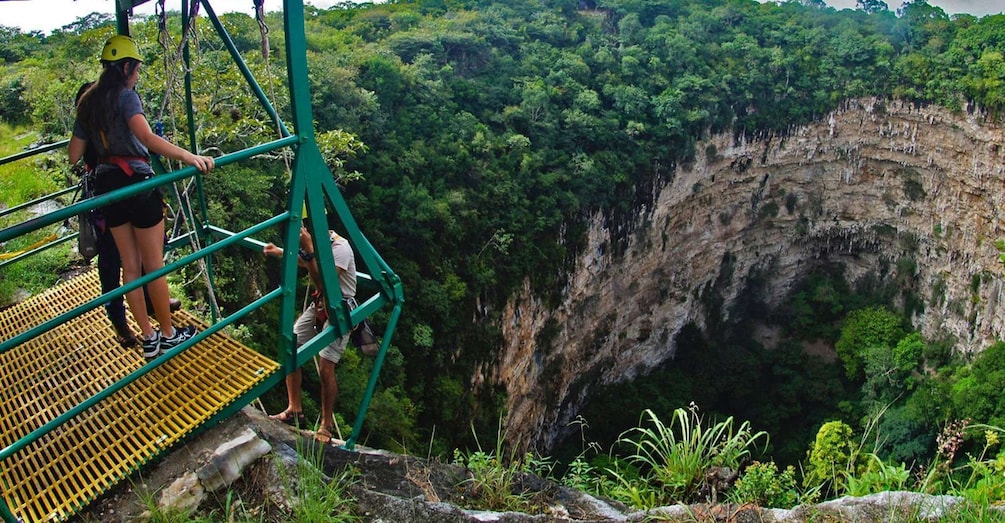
[180, 335]
[152, 347]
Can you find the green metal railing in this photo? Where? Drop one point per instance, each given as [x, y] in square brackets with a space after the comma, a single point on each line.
[312, 188]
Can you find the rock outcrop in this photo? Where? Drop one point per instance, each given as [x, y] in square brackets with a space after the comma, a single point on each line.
[887, 189]
[249, 466]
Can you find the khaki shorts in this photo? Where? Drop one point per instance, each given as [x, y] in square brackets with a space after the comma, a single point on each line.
[303, 329]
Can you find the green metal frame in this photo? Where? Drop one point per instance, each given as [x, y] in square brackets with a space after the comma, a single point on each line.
[312, 188]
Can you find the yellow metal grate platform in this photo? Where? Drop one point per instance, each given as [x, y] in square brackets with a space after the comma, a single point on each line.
[57, 475]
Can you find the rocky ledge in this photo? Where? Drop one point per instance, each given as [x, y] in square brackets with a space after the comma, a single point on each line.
[245, 463]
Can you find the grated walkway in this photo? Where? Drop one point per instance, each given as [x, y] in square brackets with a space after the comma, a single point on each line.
[60, 473]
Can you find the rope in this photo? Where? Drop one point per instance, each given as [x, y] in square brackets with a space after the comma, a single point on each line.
[171, 68]
[183, 198]
[48, 239]
[170, 60]
[263, 28]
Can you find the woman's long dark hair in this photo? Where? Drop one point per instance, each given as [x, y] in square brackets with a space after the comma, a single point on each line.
[98, 107]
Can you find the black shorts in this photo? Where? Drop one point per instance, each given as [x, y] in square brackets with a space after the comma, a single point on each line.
[143, 210]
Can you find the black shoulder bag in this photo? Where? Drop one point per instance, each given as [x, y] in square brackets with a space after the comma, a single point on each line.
[87, 239]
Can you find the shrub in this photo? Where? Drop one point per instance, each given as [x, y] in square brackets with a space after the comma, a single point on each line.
[763, 485]
[495, 481]
[830, 457]
[985, 484]
[878, 476]
[674, 458]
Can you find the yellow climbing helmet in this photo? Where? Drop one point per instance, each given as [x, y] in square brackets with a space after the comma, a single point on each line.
[120, 47]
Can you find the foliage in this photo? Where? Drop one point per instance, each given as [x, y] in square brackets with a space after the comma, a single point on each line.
[672, 459]
[730, 377]
[872, 328]
[981, 480]
[22, 181]
[586, 471]
[590, 477]
[763, 485]
[817, 305]
[314, 496]
[336, 147]
[975, 389]
[967, 512]
[494, 479]
[488, 131]
[28, 178]
[830, 458]
[876, 476]
[891, 372]
[905, 437]
[12, 106]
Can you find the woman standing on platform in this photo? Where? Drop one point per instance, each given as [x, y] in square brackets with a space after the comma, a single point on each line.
[110, 118]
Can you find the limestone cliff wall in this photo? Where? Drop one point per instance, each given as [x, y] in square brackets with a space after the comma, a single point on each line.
[889, 188]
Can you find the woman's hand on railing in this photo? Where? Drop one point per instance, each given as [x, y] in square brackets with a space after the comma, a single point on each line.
[203, 163]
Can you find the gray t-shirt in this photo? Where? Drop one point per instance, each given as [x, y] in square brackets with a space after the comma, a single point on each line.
[345, 260]
[119, 140]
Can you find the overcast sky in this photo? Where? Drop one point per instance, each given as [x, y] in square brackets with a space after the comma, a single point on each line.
[47, 15]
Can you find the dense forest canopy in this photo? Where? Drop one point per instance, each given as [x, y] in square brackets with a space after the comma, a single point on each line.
[486, 133]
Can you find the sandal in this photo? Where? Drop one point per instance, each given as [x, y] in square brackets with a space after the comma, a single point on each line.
[323, 435]
[293, 419]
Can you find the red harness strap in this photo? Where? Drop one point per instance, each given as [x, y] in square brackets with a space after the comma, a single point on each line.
[122, 162]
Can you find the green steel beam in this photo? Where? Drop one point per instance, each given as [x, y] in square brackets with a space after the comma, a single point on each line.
[36, 250]
[37, 201]
[186, 55]
[122, 10]
[99, 201]
[32, 152]
[371, 385]
[312, 181]
[34, 332]
[296, 70]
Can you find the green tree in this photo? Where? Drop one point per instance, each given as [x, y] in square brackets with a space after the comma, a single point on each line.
[976, 388]
[13, 108]
[872, 328]
[872, 6]
[890, 372]
[16, 46]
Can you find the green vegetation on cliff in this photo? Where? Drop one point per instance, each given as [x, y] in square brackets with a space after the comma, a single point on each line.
[492, 130]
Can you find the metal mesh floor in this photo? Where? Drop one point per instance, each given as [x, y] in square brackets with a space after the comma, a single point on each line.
[57, 475]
